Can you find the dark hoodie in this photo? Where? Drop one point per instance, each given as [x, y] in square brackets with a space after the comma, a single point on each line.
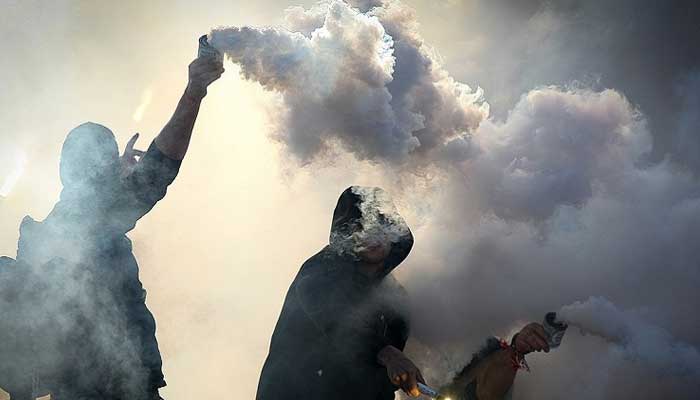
[335, 320]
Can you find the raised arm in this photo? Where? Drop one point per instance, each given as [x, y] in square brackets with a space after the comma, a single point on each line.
[145, 181]
[174, 139]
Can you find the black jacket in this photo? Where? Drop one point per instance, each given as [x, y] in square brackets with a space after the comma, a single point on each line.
[334, 321]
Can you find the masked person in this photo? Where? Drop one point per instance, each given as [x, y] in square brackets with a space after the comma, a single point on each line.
[491, 372]
[101, 342]
[344, 322]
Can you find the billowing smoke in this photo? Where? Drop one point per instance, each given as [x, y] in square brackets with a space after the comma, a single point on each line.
[360, 81]
[637, 339]
[643, 48]
[553, 202]
[554, 209]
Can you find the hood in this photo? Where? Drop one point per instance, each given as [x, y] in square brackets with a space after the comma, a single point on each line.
[90, 156]
[368, 213]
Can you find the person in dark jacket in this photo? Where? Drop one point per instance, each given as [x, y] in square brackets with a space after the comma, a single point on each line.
[93, 336]
[344, 322]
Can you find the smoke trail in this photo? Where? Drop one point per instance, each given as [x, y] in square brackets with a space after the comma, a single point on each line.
[551, 204]
[638, 339]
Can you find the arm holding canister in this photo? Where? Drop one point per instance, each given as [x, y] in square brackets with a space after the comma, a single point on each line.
[174, 139]
[491, 372]
[146, 175]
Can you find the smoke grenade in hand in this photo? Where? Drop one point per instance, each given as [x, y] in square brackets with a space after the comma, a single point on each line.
[206, 50]
[554, 329]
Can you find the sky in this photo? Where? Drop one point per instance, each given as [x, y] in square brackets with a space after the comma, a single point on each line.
[608, 211]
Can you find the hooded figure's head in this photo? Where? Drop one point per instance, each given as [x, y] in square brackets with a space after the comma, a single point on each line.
[367, 226]
[90, 157]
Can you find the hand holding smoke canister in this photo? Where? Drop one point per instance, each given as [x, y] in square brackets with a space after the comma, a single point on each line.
[538, 337]
[555, 329]
[204, 70]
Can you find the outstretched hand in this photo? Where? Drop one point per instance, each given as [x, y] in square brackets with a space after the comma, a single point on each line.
[202, 72]
[402, 371]
[128, 160]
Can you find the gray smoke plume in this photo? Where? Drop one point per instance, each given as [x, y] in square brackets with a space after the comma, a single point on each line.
[363, 81]
[553, 200]
[637, 339]
[645, 49]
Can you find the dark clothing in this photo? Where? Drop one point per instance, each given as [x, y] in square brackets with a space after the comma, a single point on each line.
[14, 350]
[81, 252]
[333, 323]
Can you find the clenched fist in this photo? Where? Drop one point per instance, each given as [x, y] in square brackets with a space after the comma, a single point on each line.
[531, 338]
[202, 72]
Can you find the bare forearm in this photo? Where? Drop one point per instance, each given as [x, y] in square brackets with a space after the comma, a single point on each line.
[492, 370]
[496, 376]
[175, 137]
[488, 376]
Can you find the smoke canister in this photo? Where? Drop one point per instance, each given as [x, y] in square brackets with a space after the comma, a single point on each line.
[554, 329]
[430, 392]
[207, 50]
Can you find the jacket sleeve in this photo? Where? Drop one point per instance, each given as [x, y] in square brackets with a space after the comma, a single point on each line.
[398, 329]
[143, 188]
[394, 324]
[153, 174]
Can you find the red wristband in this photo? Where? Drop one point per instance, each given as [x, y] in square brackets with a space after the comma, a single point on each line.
[517, 359]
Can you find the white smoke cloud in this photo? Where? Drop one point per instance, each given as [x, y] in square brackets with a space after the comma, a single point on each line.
[360, 80]
[518, 216]
[553, 149]
[639, 340]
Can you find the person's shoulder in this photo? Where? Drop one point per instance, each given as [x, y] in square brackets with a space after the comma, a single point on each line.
[322, 263]
[390, 283]
[319, 272]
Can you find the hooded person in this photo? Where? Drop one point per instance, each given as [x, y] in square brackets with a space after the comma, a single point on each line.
[92, 335]
[344, 322]
[102, 337]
